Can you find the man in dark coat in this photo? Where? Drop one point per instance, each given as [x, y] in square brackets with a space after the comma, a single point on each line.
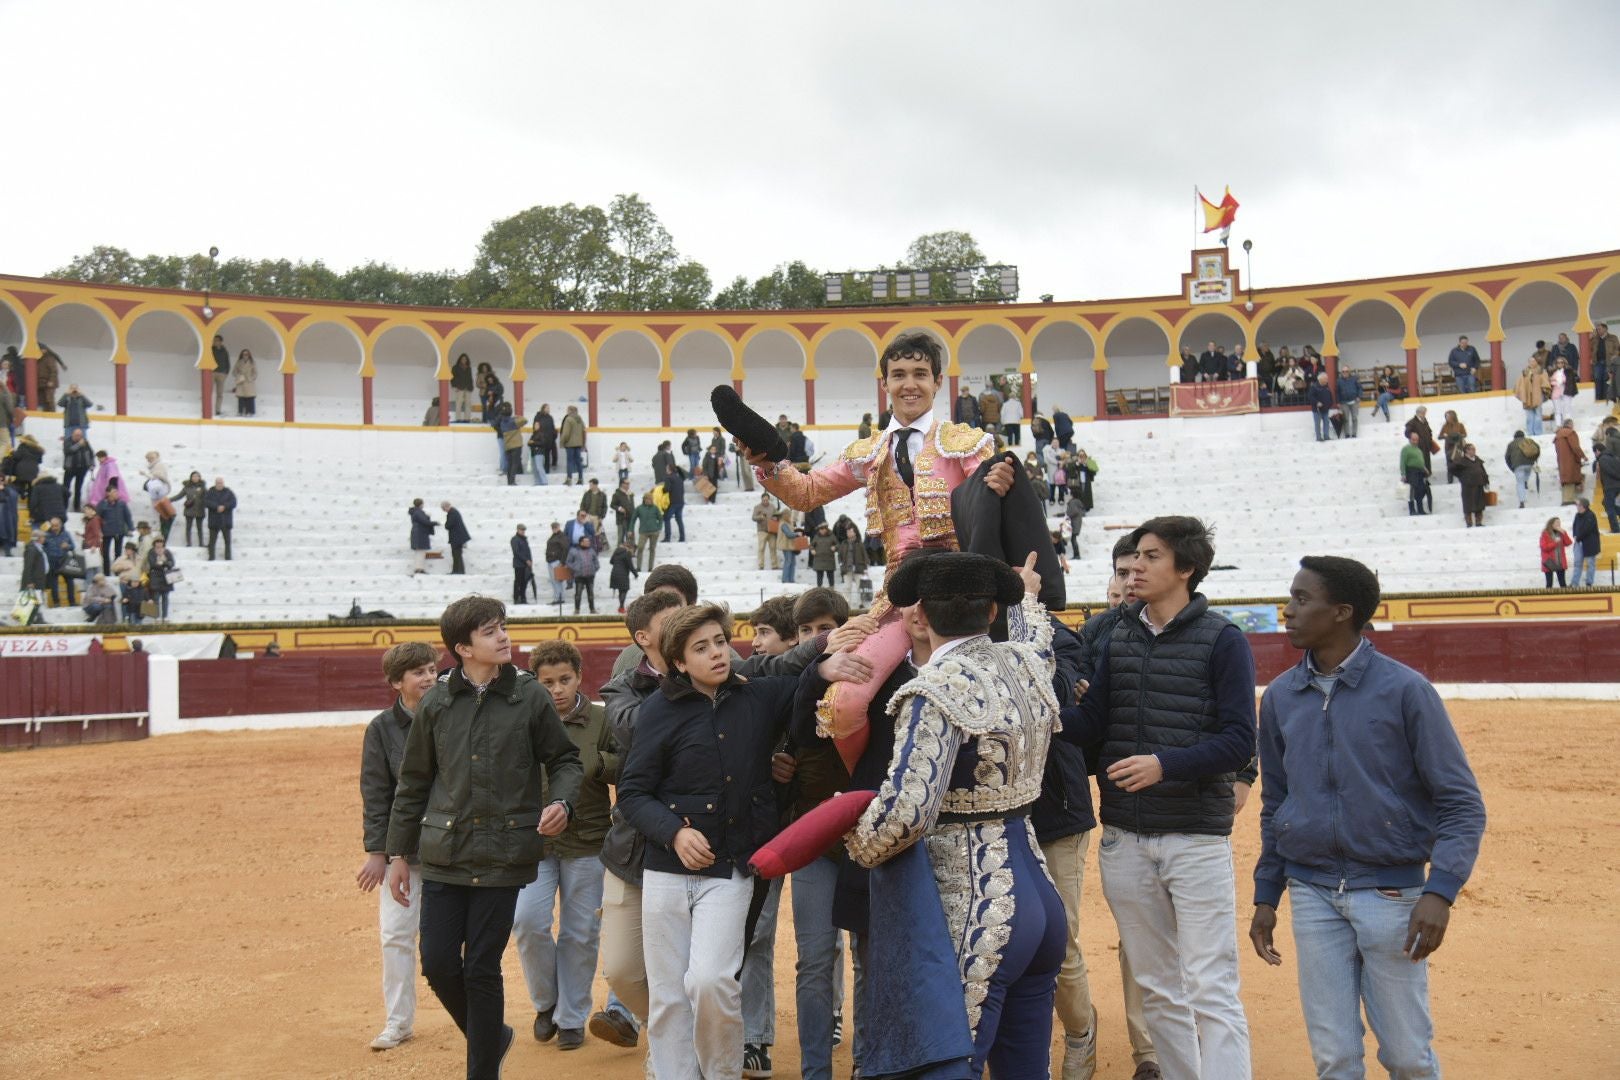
[78, 460]
[220, 502]
[456, 530]
[1063, 429]
[1210, 363]
[222, 375]
[522, 566]
[556, 555]
[1420, 424]
[967, 408]
[47, 499]
[675, 484]
[116, 527]
[36, 565]
[422, 528]
[1464, 362]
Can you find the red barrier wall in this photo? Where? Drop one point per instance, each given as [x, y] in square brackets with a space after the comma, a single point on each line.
[45, 686]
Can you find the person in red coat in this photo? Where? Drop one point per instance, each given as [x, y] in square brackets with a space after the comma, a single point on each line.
[1554, 561]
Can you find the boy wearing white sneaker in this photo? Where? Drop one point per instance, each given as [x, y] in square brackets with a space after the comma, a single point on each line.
[411, 669]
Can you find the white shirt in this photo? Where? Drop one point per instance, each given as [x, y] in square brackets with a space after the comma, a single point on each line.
[1012, 411]
[914, 442]
[939, 653]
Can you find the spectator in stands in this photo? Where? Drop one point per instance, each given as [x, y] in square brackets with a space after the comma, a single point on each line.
[623, 564]
[594, 502]
[1080, 472]
[1470, 471]
[1464, 363]
[1521, 459]
[1415, 473]
[798, 446]
[583, 564]
[1570, 459]
[508, 441]
[1040, 430]
[116, 525]
[128, 569]
[1562, 395]
[75, 410]
[1605, 361]
[8, 518]
[1320, 398]
[481, 379]
[1566, 351]
[1370, 902]
[784, 427]
[622, 460]
[824, 555]
[411, 668]
[1236, 366]
[220, 502]
[546, 425]
[193, 491]
[1265, 366]
[623, 505]
[1554, 561]
[1389, 389]
[785, 543]
[58, 546]
[1012, 415]
[523, 564]
[156, 473]
[90, 536]
[1055, 464]
[765, 541]
[143, 540]
[461, 388]
[580, 528]
[1211, 365]
[1348, 391]
[1452, 436]
[222, 372]
[108, 475]
[966, 409]
[1543, 357]
[711, 467]
[159, 568]
[662, 459]
[245, 383]
[36, 572]
[47, 499]
[649, 523]
[537, 464]
[1533, 388]
[990, 409]
[47, 376]
[1419, 425]
[77, 461]
[455, 531]
[692, 447]
[863, 430]
[675, 485]
[1608, 468]
[1583, 529]
[1310, 363]
[1075, 512]
[8, 406]
[1290, 384]
[422, 528]
[1178, 672]
[100, 601]
[572, 437]
[1188, 371]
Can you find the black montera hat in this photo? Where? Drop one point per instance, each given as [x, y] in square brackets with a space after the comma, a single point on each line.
[941, 575]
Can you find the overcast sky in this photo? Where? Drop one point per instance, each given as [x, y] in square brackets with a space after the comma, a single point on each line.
[1362, 140]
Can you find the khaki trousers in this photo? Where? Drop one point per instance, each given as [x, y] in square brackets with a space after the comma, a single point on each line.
[767, 542]
[622, 959]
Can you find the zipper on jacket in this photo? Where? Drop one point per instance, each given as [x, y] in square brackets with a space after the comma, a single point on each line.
[1333, 783]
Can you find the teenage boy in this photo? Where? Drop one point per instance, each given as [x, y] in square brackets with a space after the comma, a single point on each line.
[469, 803]
[775, 632]
[411, 668]
[1371, 819]
[559, 969]
[1170, 709]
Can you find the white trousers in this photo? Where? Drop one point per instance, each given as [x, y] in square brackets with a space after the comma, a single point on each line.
[399, 928]
[692, 932]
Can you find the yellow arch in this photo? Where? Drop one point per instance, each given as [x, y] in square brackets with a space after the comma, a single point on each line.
[364, 343]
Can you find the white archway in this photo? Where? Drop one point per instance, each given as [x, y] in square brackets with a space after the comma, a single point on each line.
[406, 360]
[164, 350]
[555, 363]
[700, 361]
[1062, 354]
[774, 361]
[628, 393]
[329, 358]
[846, 379]
[265, 342]
[85, 340]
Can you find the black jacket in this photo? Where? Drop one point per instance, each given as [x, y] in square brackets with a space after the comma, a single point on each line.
[1064, 806]
[47, 499]
[221, 506]
[624, 565]
[381, 756]
[25, 462]
[36, 568]
[557, 547]
[461, 377]
[521, 555]
[222, 360]
[78, 458]
[1583, 529]
[422, 528]
[967, 411]
[455, 529]
[470, 783]
[675, 484]
[706, 764]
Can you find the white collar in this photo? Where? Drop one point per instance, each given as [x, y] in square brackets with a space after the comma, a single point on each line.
[939, 653]
[922, 425]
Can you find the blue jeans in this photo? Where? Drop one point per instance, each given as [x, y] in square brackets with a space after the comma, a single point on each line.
[558, 588]
[576, 463]
[1578, 557]
[759, 973]
[692, 460]
[1532, 421]
[559, 969]
[1322, 425]
[673, 514]
[537, 464]
[1349, 949]
[788, 559]
[1467, 382]
[818, 970]
[1521, 481]
[1384, 398]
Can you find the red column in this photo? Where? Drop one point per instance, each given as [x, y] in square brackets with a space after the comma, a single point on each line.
[121, 389]
[1587, 371]
[1498, 371]
[1411, 373]
[365, 400]
[590, 406]
[1332, 362]
[663, 402]
[1029, 398]
[517, 397]
[1101, 379]
[31, 383]
[883, 397]
[809, 401]
[288, 412]
[955, 389]
[444, 402]
[736, 384]
[206, 379]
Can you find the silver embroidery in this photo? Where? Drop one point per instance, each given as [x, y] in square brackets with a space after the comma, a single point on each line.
[974, 874]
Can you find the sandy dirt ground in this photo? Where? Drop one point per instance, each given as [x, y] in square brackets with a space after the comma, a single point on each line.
[185, 907]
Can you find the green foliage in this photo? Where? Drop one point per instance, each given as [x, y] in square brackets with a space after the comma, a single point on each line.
[790, 287]
[951, 248]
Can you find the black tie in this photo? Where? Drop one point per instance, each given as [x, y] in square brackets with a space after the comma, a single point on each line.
[902, 456]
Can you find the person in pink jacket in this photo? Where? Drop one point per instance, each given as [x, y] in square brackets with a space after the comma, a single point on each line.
[909, 470]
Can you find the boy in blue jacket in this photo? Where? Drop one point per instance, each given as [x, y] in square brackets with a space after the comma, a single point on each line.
[1371, 819]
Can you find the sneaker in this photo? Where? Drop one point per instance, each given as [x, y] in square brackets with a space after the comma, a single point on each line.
[1148, 1070]
[389, 1038]
[506, 1048]
[544, 1029]
[838, 1028]
[756, 1061]
[570, 1038]
[612, 1026]
[1080, 1054]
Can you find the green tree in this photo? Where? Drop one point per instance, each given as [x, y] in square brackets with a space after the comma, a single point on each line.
[103, 265]
[790, 287]
[645, 261]
[944, 250]
[546, 257]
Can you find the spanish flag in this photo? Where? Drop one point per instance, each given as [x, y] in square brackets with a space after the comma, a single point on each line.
[1219, 216]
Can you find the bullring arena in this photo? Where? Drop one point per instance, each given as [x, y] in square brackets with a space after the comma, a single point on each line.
[184, 829]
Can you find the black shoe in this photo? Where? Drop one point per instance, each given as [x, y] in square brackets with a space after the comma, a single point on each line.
[570, 1038]
[612, 1026]
[838, 1028]
[506, 1048]
[544, 1029]
[756, 1061]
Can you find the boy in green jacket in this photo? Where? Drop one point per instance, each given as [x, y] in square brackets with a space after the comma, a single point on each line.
[469, 803]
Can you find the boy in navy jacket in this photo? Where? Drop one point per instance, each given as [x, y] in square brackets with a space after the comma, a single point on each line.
[1370, 818]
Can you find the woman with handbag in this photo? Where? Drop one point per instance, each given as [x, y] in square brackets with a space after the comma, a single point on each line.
[509, 436]
[192, 492]
[1554, 543]
[131, 591]
[245, 383]
[1470, 470]
[547, 426]
[1452, 434]
[160, 577]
